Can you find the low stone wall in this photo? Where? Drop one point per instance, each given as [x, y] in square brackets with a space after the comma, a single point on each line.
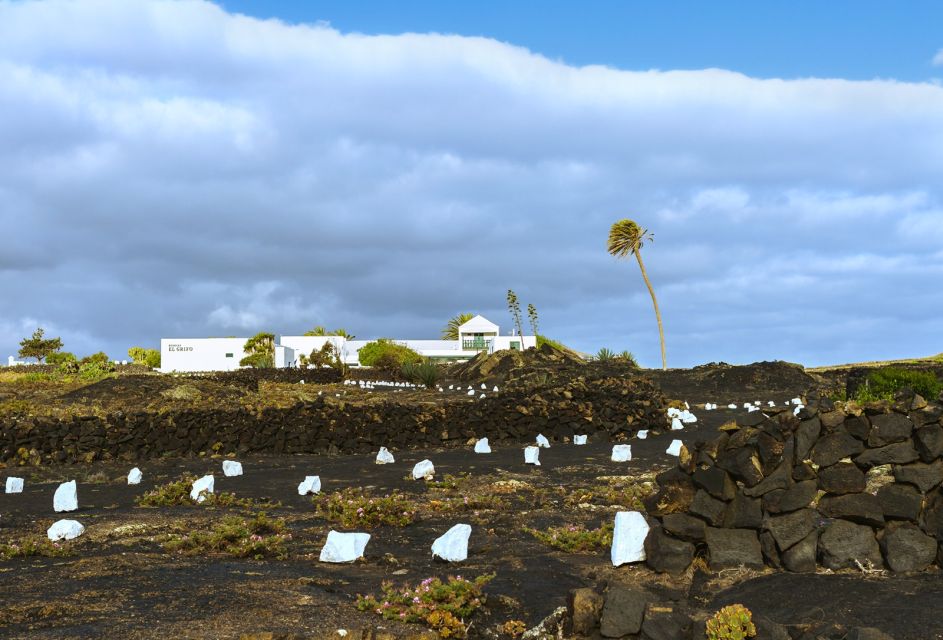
[616, 406]
[836, 485]
[250, 378]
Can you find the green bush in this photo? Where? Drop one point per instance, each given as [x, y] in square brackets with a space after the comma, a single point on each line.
[605, 355]
[425, 373]
[258, 537]
[353, 508]
[147, 357]
[258, 361]
[575, 538]
[883, 384]
[99, 359]
[60, 358]
[388, 355]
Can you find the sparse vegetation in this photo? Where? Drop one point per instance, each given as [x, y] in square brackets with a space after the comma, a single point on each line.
[734, 622]
[354, 508]
[177, 493]
[257, 537]
[514, 308]
[884, 384]
[32, 546]
[444, 606]
[575, 538]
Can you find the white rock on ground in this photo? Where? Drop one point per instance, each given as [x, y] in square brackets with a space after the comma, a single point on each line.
[542, 441]
[495, 390]
[628, 538]
[384, 456]
[232, 468]
[674, 449]
[452, 546]
[482, 446]
[344, 547]
[201, 487]
[731, 406]
[532, 455]
[311, 484]
[66, 497]
[687, 417]
[14, 485]
[65, 530]
[135, 476]
[642, 434]
[471, 392]
[579, 440]
[621, 453]
[676, 424]
[424, 469]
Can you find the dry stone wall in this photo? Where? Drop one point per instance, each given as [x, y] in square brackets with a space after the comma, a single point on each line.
[837, 486]
[615, 406]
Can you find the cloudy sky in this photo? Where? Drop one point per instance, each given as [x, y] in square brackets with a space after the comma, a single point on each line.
[182, 169]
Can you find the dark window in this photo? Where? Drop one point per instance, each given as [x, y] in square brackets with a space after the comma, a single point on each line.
[228, 355]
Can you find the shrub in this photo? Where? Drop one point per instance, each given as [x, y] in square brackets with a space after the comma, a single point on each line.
[29, 547]
[100, 359]
[627, 356]
[259, 537]
[177, 493]
[60, 357]
[258, 361]
[386, 354]
[605, 355]
[353, 508]
[94, 366]
[883, 384]
[443, 606]
[425, 373]
[575, 538]
[147, 357]
[734, 622]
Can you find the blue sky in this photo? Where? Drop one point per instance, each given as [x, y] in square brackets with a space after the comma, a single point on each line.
[177, 168]
[853, 39]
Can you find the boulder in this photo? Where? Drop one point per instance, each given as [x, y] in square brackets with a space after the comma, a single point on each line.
[807, 433]
[798, 496]
[843, 542]
[900, 501]
[858, 427]
[743, 512]
[384, 456]
[135, 476]
[789, 529]
[920, 474]
[482, 446]
[344, 547]
[665, 622]
[65, 530]
[684, 526]
[907, 548]
[532, 455]
[201, 487]
[897, 453]
[585, 609]
[311, 484]
[841, 478]
[623, 611]
[452, 546]
[423, 470]
[780, 478]
[733, 547]
[666, 554]
[231, 468]
[716, 482]
[888, 429]
[800, 557]
[929, 442]
[675, 494]
[932, 521]
[621, 453]
[708, 507]
[14, 485]
[770, 552]
[835, 446]
[804, 471]
[743, 464]
[862, 508]
[66, 497]
[628, 538]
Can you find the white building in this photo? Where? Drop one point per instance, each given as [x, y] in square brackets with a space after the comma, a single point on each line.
[223, 354]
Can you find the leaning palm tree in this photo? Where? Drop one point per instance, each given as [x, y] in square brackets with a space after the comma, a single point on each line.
[626, 238]
[450, 332]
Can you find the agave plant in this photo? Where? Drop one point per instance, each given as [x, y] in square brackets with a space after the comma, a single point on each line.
[605, 355]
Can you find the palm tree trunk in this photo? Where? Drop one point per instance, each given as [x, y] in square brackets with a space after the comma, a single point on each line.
[661, 329]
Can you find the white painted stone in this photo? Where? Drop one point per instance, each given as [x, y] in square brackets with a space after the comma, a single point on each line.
[674, 449]
[65, 530]
[135, 476]
[676, 424]
[232, 468]
[482, 446]
[532, 455]
[424, 469]
[673, 412]
[14, 485]
[311, 484]
[471, 392]
[495, 390]
[580, 440]
[344, 547]
[771, 404]
[642, 434]
[66, 497]
[799, 407]
[481, 396]
[452, 546]
[483, 385]
[621, 452]
[542, 441]
[796, 401]
[751, 409]
[731, 406]
[687, 417]
[201, 487]
[384, 456]
[628, 538]
[746, 405]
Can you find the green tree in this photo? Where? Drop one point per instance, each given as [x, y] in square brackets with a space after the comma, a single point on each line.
[261, 350]
[514, 307]
[322, 331]
[61, 357]
[147, 357]
[450, 332]
[532, 316]
[38, 346]
[625, 239]
[386, 354]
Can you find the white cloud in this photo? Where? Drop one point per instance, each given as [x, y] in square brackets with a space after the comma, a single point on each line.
[938, 58]
[165, 158]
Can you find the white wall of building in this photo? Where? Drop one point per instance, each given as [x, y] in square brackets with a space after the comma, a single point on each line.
[201, 354]
[304, 345]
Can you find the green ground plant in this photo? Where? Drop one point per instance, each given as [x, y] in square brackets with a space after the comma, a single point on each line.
[354, 508]
[425, 373]
[575, 538]
[734, 622]
[32, 546]
[257, 537]
[884, 384]
[445, 606]
[177, 493]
